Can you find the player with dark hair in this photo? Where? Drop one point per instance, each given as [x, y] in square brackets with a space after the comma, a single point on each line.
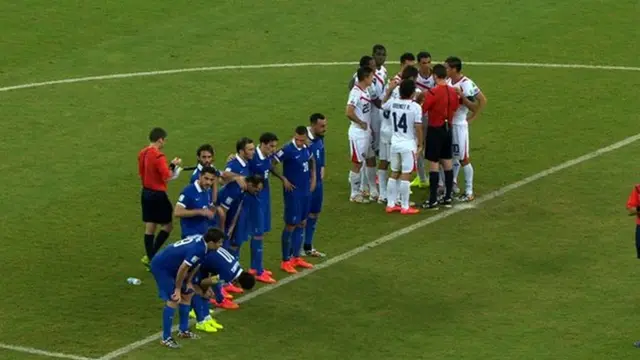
[440, 103]
[316, 130]
[156, 208]
[406, 60]
[299, 167]
[365, 61]
[173, 269]
[205, 157]
[424, 82]
[358, 111]
[405, 116]
[472, 102]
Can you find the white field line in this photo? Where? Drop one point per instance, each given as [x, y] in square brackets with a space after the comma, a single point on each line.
[395, 235]
[291, 65]
[33, 351]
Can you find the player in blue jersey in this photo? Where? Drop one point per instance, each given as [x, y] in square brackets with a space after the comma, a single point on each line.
[173, 269]
[195, 204]
[299, 169]
[234, 218]
[316, 131]
[205, 157]
[239, 164]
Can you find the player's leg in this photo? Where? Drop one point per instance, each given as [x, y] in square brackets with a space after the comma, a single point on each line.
[465, 164]
[200, 310]
[165, 212]
[310, 229]
[421, 179]
[257, 241]
[148, 218]
[456, 138]
[446, 156]
[407, 166]
[183, 311]
[222, 299]
[290, 221]
[358, 148]
[297, 236]
[166, 287]
[392, 183]
[432, 154]
[370, 168]
[383, 169]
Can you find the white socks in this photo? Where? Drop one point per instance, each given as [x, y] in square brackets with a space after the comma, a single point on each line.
[392, 192]
[468, 178]
[421, 171]
[382, 180]
[403, 190]
[371, 179]
[355, 180]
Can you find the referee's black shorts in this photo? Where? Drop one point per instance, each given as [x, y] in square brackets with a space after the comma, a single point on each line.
[438, 144]
[156, 207]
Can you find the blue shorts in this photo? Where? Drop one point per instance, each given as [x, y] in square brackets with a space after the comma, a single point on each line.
[316, 200]
[265, 203]
[296, 207]
[166, 283]
[242, 229]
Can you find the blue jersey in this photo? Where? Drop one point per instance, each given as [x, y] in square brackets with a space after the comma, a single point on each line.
[261, 165]
[295, 166]
[238, 166]
[317, 150]
[231, 198]
[196, 173]
[220, 262]
[194, 197]
[190, 251]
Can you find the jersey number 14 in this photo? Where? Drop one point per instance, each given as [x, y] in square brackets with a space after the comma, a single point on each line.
[399, 124]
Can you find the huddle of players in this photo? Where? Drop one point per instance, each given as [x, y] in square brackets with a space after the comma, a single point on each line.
[203, 268]
[387, 123]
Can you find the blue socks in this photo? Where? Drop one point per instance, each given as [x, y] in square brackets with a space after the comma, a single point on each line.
[309, 230]
[296, 241]
[286, 244]
[183, 311]
[256, 255]
[217, 291]
[167, 321]
[198, 303]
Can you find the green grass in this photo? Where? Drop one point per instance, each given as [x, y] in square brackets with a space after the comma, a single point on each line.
[544, 272]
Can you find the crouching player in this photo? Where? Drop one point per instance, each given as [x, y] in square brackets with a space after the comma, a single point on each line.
[217, 267]
[173, 269]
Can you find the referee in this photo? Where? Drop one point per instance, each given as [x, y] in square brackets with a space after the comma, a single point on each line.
[156, 207]
[439, 104]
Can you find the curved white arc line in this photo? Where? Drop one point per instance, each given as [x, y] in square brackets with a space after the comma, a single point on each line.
[290, 65]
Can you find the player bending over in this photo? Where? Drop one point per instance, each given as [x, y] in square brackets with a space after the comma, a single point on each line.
[173, 269]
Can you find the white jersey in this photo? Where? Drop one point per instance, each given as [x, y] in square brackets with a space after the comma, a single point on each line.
[425, 83]
[469, 89]
[395, 94]
[371, 90]
[379, 82]
[360, 100]
[403, 116]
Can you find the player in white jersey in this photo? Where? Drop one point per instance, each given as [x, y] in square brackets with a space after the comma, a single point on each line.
[406, 59]
[473, 101]
[406, 119]
[379, 54]
[424, 82]
[359, 113]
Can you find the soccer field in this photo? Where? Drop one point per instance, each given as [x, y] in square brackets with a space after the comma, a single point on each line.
[537, 269]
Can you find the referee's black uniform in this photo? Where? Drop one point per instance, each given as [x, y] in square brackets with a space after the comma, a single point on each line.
[439, 104]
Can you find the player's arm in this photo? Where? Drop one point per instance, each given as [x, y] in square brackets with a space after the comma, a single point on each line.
[419, 135]
[351, 115]
[478, 104]
[191, 274]
[181, 210]
[352, 82]
[181, 276]
[314, 181]
[389, 90]
[288, 186]
[168, 172]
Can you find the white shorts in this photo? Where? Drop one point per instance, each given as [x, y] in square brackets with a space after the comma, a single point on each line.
[360, 149]
[460, 142]
[384, 153]
[404, 162]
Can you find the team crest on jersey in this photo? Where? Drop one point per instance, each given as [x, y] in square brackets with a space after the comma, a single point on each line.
[194, 259]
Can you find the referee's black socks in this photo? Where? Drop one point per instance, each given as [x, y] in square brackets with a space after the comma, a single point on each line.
[160, 240]
[448, 183]
[148, 245]
[434, 176]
